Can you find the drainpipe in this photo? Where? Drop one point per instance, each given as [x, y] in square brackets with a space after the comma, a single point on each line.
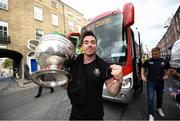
[22, 69]
[64, 19]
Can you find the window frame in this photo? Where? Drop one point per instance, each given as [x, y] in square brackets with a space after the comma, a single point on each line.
[55, 19]
[38, 12]
[70, 25]
[4, 4]
[4, 24]
[79, 28]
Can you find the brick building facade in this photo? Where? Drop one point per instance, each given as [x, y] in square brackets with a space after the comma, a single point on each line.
[172, 34]
[21, 20]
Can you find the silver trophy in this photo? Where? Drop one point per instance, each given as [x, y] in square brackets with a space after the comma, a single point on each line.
[51, 52]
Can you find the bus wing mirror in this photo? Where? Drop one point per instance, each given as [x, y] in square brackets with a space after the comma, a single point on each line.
[128, 14]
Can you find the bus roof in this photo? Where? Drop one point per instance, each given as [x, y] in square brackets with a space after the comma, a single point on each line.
[104, 15]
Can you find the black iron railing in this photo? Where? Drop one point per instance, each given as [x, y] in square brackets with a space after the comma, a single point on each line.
[4, 39]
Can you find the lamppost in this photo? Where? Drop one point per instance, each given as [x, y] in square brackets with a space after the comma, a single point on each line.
[166, 44]
[140, 56]
[139, 42]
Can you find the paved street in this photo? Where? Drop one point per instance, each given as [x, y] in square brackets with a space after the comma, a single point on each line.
[18, 103]
[10, 85]
[6, 83]
[138, 108]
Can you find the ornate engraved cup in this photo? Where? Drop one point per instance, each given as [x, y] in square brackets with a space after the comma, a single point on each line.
[51, 52]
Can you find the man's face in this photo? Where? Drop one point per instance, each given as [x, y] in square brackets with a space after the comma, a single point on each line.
[89, 45]
[155, 54]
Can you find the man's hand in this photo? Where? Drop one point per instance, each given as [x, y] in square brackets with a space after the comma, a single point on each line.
[143, 75]
[165, 77]
[174, 95]
[144, 78]
[114, 84]
[65, 86]
[117, 72]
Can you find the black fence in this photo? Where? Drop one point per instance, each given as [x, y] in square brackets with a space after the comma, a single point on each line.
[4, 39]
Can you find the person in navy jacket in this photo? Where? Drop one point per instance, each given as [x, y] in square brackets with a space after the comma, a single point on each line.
[89, 73]
[156, 68]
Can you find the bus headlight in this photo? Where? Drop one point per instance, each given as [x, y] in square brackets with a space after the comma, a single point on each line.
[127, 83]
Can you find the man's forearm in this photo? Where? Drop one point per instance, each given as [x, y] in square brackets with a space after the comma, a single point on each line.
[142, 72]
[114, 87]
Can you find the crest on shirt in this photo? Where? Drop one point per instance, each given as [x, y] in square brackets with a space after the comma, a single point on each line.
[151, 62]
[162, 63]
[96, 71]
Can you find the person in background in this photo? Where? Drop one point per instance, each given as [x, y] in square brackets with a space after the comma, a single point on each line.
[175, 95]
[89, 73]
[156, 68]
[16, 73]
[43, 77]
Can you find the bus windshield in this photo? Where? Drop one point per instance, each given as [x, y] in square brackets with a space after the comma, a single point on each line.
[110, 44]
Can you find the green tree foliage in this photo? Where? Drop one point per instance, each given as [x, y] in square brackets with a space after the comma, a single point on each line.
[7, 63]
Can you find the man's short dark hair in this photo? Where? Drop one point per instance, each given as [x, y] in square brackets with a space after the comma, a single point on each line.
[87, 33]
[155, 49]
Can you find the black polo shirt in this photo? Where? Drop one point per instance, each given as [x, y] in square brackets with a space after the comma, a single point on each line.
[156, 69]
[93, 105]
[85, 88]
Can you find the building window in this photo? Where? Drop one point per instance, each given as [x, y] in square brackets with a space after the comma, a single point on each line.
[176, 19]
[4, 4]
[178, 29]
[54, 18]
[3, 32]
[39, 33]
[3, 29]
[79, 28]
[54, 4]
[79, 18]
[71, 26]
[38, 12]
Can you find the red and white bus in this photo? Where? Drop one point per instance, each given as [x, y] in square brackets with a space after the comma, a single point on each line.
[116, 44]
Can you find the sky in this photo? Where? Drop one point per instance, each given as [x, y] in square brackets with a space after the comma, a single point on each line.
[150, 15]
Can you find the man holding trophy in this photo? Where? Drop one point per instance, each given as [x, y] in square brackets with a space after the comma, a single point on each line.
[88, 73]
